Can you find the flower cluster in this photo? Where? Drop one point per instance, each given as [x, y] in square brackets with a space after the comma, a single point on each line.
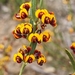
[46, 17]
[23, 55]
[34, 32]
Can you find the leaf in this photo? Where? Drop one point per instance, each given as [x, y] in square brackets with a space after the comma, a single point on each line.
[41, 4]
[1, 72]
[71, 58]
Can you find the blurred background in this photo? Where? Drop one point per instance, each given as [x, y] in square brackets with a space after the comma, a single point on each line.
[63, 35]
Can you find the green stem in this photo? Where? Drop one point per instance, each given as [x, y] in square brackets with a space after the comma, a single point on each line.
[22, 68]
[33, 22]
[33, 9]
[71, 58]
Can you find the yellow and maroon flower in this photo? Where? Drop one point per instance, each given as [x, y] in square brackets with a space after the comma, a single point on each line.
[26, 49]
[45, 36]
[41, 60]
[29, 58]
[34, 37]
[43, 26]
[26, 6]
[23, 13]
[17, 17]
[37, 54]
[40, 12]
[18, 57]
[17, 36]
[53, 20]
[46, 18]
[21, 51]
[17, 31]
[26, 29]
[73, 46]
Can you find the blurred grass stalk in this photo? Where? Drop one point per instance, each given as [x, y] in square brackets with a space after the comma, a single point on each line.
[71, 58]
[71, 13]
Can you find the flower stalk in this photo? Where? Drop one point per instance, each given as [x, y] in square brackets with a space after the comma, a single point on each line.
[22, 68]
[32, 20]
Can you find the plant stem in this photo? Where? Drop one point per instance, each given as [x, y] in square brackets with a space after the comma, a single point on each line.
[22, 68]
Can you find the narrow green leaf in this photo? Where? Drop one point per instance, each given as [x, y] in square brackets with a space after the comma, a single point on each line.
[41, 4]
[1, 72]
[71, 58]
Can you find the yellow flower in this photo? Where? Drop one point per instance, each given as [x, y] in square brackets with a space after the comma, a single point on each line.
[29, 58]
[24, 47]
[73, 74]
[17, 17]
[17, 36]
[45, 36]
[26, 29]
[40, 12]
[69, 17]
[46, 18]
[53, 20]
[18, 57]
[23, 13]
[5, 58]
[71, 30]
[41, 60]
[73, 47]
[28, 24]
[1, 46]
[34, 37]
[8, 49]
[17, 32]
[26, 6]
[66, 1]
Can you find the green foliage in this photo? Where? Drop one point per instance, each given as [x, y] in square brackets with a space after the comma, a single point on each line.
[4, 1]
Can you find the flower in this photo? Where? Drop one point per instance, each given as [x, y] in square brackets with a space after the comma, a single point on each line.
[21, 51]
[66, 1]
[25, 5]
[45, 36]
[17, 17]
[73, 47]
[34, 37]
[23, 13]
[1, 46]
[40, 12]
[41, 60]
[53, 20]
[26, 49]
[46, 18]
[26, 29]
[17, 31]
[73, 74]
[18, 57]
[37, 54]
[8, 49]
[17, 36]
[69, 17]
[29, 58]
